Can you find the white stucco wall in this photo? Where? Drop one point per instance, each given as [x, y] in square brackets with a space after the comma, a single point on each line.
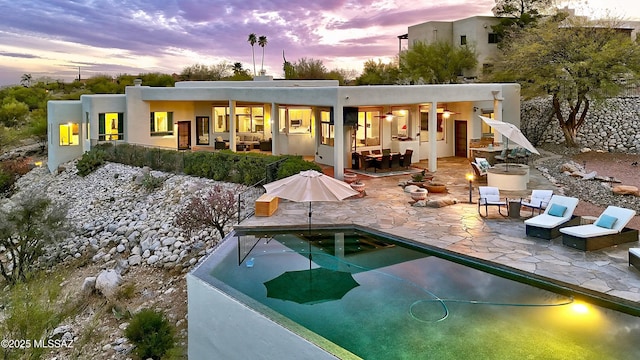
[63, 112]
[222, 328]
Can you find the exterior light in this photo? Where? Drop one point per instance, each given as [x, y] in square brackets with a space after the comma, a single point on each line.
[470, 179]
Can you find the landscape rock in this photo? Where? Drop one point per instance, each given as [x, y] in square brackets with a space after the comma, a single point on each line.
[625, 190]
[89, 284]
[107, 282]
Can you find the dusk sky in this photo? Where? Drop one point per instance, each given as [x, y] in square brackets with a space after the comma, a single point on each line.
[55, 38]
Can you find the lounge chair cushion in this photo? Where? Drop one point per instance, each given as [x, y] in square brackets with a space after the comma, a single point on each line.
[546, 221]
[557, 210]
[606, 221]
[587, 231]
[483, 164]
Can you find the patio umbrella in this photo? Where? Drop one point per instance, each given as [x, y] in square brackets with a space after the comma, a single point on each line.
[311, 286]
[310, 185]
[511, 132]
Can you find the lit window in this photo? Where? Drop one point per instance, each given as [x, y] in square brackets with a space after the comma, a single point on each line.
[69, 134]
[202, 130]
[368, 130]
[400, 124]
[161, 123]
[110, 126]
[221, 115]
[326, 127]
[299, 119]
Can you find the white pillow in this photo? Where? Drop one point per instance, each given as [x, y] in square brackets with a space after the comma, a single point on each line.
[219, 139]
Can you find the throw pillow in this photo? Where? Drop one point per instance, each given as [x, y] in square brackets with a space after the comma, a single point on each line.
[557, 210]
[606, 221]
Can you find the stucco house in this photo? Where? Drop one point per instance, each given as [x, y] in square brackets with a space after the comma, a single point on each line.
[315, 118]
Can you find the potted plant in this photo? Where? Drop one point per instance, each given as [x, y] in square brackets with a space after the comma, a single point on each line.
[350, 177]
[436, 187]
[358, 186]
[419, 194]
[420, 178]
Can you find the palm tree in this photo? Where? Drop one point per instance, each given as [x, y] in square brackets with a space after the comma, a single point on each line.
[252, 40]
[237, 68]
[262, 41]
[25, 80]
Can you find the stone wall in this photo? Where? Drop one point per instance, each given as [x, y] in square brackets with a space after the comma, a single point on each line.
[613, 125]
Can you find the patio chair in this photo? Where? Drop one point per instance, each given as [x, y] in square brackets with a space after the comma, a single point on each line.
[490, 196]
[405, 160]
[608, 230]
[384, 163]
[502, 157]
[479, 172]
[366, 162]
[513, 155]
[538, 200]
[558, 214]
[395, 161]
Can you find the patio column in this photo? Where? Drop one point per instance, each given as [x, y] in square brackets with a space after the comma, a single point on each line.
[275, 129]
[339, 143]
[232, 125]
[433, 131]
[497, 109]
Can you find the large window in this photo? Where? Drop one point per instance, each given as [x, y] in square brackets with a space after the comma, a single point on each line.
[69, 134]
[326, 128]
[221, 118]
[368, 131]
[299, 119]
[424, 125]
[161, 123]
[110, 126]
[400, 124]
[202, 130]
[250, 119]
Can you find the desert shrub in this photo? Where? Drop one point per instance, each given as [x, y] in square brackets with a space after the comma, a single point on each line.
[90, 161]
[151, 183]
[295, 164]
[10, 171]
[25, 229]
[217, 208]
[152, 334]
[7, 181]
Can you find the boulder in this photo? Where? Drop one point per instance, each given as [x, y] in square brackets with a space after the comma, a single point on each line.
[89, 284]
[626, 190]
[107, 282]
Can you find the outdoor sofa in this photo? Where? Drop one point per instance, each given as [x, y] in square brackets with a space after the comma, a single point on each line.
[608, 230]
[558, 214]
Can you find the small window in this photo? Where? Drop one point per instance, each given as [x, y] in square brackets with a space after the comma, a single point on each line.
[110, 126]
[493, 38]
[86, 115]
[161, 123]
[463, 40]
[69, 134]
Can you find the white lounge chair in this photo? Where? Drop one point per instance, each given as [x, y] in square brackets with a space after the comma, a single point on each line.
[490, 196]
[538, 200]
[608, 230]
[558, 214]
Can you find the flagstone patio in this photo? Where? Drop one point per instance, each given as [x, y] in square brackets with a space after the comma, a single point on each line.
[459, 228]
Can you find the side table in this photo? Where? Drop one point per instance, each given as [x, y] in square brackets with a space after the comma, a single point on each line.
[513, 206]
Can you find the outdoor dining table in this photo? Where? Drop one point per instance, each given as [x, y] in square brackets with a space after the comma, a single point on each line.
[379, 156]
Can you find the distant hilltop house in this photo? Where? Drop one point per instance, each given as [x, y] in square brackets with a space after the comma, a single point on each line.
[314, 118]
[477, 31]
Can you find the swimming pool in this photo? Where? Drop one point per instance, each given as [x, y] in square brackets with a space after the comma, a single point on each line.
[407, 303]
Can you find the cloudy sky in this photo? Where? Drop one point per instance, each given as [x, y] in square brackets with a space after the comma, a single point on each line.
[58, 38]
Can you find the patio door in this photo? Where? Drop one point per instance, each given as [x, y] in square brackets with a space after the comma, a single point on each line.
[184, 135]
[460, 134]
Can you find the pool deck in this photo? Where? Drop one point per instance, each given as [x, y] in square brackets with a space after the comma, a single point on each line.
[459, 228]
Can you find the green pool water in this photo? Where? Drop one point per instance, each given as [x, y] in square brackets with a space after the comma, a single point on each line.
[408, 303]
